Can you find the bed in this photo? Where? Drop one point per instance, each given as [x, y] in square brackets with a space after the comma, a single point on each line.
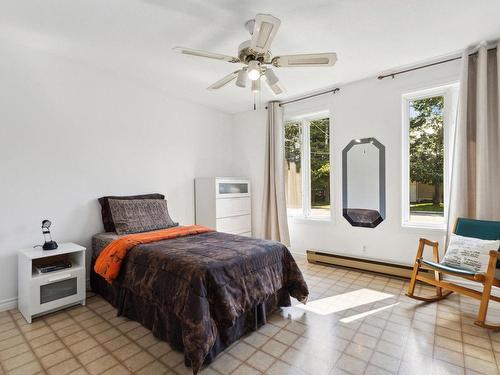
[202, 292]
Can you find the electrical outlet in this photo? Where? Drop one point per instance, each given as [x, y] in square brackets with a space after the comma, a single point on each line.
[364, 248]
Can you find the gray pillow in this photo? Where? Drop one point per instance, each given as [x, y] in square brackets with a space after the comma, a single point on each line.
[140, 215]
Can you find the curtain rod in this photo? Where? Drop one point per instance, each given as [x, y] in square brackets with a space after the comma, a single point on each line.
[430, 64]
[418, 67]
[335, 90]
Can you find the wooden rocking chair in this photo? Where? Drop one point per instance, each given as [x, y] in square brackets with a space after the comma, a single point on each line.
[482, 229]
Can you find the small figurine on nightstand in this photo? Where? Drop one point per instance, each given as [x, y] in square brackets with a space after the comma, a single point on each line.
[49, 244]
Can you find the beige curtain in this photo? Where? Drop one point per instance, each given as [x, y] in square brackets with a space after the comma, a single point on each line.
[274, 217]
[475, 173]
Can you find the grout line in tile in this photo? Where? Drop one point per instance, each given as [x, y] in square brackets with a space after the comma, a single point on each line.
[27, 342]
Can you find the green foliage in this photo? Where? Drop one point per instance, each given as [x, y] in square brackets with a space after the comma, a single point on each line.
[319, 134]
[293, 144]
[426, 143]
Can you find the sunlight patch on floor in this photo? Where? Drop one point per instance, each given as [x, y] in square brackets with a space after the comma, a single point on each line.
[352, 318]
[344, 301]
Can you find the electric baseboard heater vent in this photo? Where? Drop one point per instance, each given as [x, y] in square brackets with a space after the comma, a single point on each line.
[390, 269]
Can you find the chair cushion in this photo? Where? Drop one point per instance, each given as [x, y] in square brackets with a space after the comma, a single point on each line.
[483, 229]
[444, 267]
[469, 253]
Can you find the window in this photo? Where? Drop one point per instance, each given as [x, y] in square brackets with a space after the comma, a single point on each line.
[307, 167]
[427, 120]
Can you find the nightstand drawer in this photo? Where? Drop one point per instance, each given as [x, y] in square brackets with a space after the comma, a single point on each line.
[57, 289]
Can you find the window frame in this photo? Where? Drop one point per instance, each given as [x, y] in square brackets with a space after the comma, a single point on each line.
[449, 92]
[305, 153]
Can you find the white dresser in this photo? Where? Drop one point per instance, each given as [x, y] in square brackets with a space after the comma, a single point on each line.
[223, 203]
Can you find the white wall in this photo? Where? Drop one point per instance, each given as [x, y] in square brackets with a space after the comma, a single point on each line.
[367, 108]
[70, 133]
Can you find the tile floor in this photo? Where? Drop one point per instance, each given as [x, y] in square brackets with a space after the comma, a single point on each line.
[355, 323]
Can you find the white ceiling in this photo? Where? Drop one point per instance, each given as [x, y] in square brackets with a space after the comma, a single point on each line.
[133, 39]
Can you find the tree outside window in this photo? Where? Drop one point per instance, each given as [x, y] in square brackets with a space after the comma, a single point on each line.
[307, 167]
[426, 152]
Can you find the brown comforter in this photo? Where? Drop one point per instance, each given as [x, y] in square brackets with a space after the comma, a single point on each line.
[208, 281]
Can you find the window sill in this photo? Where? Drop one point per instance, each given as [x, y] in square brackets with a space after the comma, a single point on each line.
[441, 227]
[309, 219]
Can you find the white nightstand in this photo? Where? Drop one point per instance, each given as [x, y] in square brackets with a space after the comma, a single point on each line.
[40, 293]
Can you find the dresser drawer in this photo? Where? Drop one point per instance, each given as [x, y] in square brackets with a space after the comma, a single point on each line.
[232, 206]
[235, 224]
[232, 188]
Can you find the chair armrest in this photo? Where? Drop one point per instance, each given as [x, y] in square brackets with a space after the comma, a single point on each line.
[495, 254]
[427, 242]
[421, 246]
[492, 264]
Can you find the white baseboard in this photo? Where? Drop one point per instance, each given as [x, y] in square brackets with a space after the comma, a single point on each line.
[8, 304]
[297, 251]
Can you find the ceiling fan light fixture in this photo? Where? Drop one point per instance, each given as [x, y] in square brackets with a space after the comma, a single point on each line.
[271, 78]
[241, 80]
[256, 85]
[253, 70]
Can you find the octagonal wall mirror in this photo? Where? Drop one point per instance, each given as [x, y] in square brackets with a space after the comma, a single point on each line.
[363, 182]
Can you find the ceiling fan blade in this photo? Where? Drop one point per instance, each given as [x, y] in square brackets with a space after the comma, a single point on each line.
[264, 30]
[277, 88]
[209, 55]
[224, 81]
[310, 59]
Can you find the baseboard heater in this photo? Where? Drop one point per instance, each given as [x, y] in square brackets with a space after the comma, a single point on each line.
[361, 264]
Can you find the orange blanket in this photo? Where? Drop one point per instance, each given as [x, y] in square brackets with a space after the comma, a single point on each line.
[109, 261]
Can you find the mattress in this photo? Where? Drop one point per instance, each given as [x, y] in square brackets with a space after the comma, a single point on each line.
[101, 240]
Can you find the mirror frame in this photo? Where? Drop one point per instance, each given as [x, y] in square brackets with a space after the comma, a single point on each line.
[381, 153]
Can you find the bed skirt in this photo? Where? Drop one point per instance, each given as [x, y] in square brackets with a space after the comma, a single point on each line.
[166, 326]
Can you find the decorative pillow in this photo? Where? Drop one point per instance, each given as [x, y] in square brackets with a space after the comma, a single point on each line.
[107, 220]
[469, 253]
[140, 215]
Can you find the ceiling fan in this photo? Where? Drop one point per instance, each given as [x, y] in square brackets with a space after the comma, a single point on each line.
[257, 57]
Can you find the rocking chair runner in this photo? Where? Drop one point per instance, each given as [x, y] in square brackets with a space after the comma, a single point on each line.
[482, 229]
